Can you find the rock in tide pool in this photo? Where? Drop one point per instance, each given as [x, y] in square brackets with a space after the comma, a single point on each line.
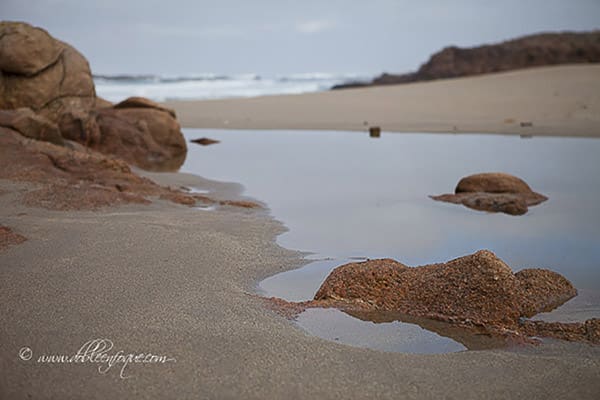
[494, 192]
[479, 287]
[477, 292]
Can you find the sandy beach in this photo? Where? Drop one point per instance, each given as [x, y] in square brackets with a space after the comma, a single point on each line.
[556, 101]
[171, 280]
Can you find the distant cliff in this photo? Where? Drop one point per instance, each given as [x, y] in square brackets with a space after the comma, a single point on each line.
[528, 51]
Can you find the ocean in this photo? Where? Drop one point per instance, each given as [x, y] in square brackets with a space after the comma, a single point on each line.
[213, 86]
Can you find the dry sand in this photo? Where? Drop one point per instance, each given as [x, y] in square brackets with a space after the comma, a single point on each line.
[563, 101]
[179, 282]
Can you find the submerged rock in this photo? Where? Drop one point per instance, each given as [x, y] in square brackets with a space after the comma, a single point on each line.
[494, 192]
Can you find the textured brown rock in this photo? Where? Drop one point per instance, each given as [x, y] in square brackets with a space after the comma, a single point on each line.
[56, 69]
[494, 192]
[141, 102]
[528, 51]
[493, 182]
[54, 80]
[479, 287]
[477, 293]
[25, 50]
[73, 179]
[146, 137]
[31, 125]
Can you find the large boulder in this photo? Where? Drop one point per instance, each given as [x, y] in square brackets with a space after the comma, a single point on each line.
[39, 69]
[54, 80]
[146, 136]
[478, 288]
[493, 192]
[25, 50]
[31, 125]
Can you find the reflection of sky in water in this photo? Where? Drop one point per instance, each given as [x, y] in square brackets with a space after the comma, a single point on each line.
[343, 194]
[395, 336]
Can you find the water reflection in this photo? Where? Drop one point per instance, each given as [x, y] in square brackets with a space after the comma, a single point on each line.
[344, 195]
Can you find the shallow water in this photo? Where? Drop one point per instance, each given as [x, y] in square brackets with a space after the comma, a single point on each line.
[344, 195]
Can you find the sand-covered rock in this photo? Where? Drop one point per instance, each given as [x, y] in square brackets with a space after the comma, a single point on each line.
[494, 192]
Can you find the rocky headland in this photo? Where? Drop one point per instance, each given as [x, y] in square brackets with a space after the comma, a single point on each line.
[537, 50]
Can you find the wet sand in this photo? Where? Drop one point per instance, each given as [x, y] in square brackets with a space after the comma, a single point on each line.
[171, 280]
[556, 101]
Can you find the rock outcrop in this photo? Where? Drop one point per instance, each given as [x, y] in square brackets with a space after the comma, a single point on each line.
[144, 134]
[54, 81]
[75, 177]
[529, 51]
[494, 192]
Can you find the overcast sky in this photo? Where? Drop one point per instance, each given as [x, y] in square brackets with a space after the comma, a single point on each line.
[280, 36]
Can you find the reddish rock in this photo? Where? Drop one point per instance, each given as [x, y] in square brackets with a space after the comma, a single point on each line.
[477, 293]
[74, 179]
[542, 290]
[479, 287]
[494, 192]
